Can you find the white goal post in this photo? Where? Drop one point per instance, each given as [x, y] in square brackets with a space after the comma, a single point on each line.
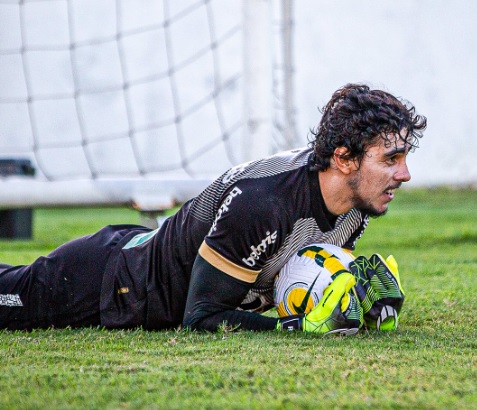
[139, 102]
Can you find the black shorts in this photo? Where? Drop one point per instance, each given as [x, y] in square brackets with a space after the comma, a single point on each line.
[61, 289]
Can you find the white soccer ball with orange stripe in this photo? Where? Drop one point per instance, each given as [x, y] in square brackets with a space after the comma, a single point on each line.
[300, 283]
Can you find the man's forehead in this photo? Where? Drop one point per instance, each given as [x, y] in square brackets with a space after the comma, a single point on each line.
[391, 144]
[396, 141]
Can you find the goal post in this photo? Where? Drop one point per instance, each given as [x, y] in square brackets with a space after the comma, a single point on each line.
[258, 78]
[133, 102]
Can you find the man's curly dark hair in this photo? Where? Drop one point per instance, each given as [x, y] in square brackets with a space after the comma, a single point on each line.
[357, 116]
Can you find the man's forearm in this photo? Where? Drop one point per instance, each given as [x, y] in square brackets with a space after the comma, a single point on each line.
[213, 298]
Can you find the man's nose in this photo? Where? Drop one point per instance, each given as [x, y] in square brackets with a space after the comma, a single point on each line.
[403, 173]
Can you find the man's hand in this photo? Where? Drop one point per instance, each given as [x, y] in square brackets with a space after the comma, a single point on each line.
[338, 311]
[379, 290]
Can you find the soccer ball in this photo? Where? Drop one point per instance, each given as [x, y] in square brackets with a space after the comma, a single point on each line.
[300, 284]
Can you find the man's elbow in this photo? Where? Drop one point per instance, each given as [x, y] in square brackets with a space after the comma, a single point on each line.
[195, 320]
[191, 322]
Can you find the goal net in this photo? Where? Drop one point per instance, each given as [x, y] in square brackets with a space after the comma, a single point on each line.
[144, 101]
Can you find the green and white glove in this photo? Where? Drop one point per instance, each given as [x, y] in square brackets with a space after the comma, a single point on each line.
[379, 291]
[337, 312]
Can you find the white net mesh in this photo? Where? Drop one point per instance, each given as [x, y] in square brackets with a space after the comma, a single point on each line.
[125, 88]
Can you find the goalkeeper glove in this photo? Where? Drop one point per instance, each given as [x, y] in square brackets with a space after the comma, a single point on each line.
[379, 290]
[337, 312]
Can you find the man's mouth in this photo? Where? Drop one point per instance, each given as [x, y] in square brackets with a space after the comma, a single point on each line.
[390, 191]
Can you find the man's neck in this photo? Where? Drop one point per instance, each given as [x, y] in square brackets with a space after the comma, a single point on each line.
[336, 193]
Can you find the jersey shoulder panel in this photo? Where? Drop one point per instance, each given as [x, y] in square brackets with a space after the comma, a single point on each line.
[206, 205]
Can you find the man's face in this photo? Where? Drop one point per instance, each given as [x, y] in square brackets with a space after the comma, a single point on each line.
[382, 170]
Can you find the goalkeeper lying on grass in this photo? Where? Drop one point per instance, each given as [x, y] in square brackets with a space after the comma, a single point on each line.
[216, 259]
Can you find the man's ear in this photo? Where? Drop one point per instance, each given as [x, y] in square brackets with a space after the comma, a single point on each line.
[342, 162]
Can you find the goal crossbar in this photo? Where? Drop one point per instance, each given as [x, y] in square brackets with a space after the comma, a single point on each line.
[146, 195]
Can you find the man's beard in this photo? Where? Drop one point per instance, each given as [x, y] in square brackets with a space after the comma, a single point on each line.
[368, 209]
[359, 203]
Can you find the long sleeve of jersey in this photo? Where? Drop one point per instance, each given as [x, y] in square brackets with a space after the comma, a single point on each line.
[212, 300]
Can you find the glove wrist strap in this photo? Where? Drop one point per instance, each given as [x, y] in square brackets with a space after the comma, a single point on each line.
[291, 323]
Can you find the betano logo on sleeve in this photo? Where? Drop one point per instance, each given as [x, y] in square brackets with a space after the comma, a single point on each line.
[260, 248]
[225, 207]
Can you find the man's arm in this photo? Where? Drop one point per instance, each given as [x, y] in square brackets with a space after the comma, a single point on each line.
[214, 295]
[213, 298]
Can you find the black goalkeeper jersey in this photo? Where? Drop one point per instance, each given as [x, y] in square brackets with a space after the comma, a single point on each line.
[248, 222]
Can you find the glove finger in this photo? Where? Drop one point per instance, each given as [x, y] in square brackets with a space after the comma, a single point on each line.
[329, 316]
[346, 319]
[384, 281]
[386, 284]
[372, 315]
[364, 297]
[332, 297]
[385, 317]
[337, 289]
[360, 268]
[388, 319]
[352, 310]
[393, 267]
[363, 273]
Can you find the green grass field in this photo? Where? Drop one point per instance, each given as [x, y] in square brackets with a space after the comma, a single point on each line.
[430, 362]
